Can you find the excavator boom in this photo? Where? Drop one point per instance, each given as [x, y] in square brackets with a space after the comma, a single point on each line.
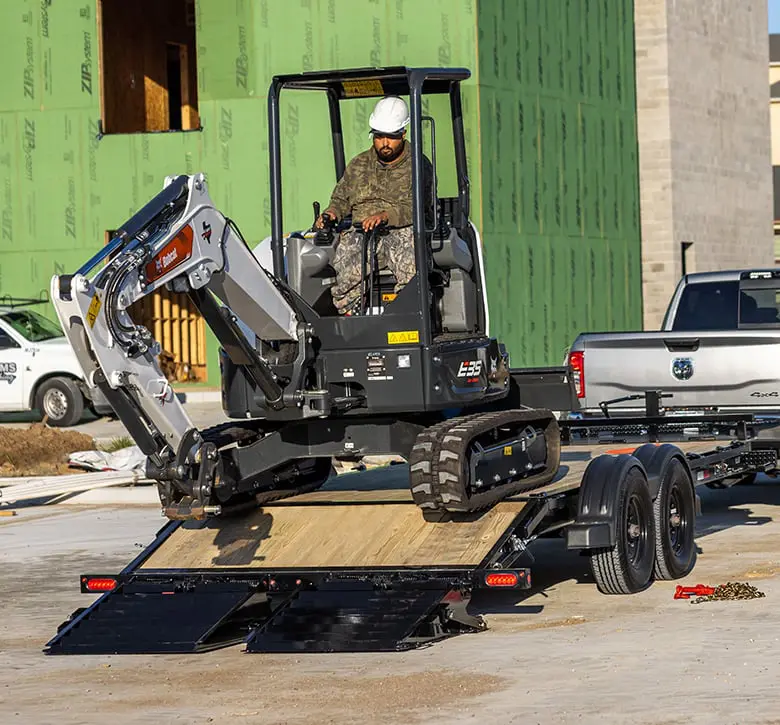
[180, 240]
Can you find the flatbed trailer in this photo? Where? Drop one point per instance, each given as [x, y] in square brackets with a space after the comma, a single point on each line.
[354, 566]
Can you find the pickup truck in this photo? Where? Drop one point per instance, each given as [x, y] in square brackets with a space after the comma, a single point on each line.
[717, 351]
[39, 370]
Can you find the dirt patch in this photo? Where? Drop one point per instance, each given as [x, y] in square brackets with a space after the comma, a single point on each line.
[298, 698]
[39, 450]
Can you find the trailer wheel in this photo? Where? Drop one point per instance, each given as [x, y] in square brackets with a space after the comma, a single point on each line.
[627, 567]
[674, 510]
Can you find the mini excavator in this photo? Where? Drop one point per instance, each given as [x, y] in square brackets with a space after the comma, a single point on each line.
[415, 374]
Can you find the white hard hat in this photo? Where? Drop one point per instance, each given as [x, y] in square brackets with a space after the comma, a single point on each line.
[390, 115]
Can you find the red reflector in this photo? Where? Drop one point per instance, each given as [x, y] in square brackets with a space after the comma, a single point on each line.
[505, 579]
[577, 365]
[100, 584]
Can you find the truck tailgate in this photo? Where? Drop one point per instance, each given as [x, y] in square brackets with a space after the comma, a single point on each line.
[734, 370]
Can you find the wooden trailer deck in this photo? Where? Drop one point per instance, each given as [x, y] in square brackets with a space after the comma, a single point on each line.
[359, 520]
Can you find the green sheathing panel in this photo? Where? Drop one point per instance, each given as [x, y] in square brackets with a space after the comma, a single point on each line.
[559, 171]
[62, 186]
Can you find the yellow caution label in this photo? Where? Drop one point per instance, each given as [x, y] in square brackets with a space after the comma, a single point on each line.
[401, 338]
[94, 309]
[507, 450]
[368, 87]
[388, 296]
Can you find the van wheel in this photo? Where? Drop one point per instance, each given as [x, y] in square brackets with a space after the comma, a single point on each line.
[60, 401]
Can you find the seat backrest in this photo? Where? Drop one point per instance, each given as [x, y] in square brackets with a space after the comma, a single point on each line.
[452, 252]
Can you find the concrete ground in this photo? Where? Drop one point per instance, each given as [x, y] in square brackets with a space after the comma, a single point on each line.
[562, 654]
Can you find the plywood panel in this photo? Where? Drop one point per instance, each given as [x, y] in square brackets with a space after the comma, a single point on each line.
[342, 535]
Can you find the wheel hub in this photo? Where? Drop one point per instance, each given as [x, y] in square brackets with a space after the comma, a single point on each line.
[676, 537]
[636, 533]
[55, 404]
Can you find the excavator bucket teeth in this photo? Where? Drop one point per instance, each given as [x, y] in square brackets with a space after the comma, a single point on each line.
[471, 463]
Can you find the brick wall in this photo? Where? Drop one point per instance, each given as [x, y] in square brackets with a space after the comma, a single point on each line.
[704, 140]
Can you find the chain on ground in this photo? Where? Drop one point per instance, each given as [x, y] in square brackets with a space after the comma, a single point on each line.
[731, 591]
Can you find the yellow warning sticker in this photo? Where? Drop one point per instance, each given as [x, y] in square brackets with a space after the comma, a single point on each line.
[388, 296]
[94, 309]
[369, 87]
[401, 338]
[507, 450]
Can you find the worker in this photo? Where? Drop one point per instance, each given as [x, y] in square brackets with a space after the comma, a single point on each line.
[376, 189]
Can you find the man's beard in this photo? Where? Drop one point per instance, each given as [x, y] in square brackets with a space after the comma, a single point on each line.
[387, 154]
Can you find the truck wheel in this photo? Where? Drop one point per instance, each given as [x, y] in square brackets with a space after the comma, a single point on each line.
[674, 510]
[60, 401]
[627, 567]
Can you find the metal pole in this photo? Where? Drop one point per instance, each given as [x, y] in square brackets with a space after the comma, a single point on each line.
[421, 258]
[274, 148]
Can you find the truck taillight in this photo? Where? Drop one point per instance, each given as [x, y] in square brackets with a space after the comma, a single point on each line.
[577, 365]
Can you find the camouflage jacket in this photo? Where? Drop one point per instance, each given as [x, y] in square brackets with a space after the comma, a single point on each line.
[369, 187]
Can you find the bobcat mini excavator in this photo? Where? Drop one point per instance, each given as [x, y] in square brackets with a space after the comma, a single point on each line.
[414, 373]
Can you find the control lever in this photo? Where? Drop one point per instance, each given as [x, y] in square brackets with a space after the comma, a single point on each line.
[324, 235]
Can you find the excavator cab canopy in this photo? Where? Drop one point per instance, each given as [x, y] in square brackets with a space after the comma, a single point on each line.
[362, 83]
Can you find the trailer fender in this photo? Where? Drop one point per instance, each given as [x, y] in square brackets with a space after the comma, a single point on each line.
[655, 459]
[596, 521]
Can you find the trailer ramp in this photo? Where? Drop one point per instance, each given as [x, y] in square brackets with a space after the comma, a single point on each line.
[142, 617]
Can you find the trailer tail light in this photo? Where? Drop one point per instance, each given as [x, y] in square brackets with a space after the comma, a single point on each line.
[577, 365]
[502, 579]
[94, 584]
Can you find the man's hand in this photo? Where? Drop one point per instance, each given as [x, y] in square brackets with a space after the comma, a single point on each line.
[374, 221]
[320, 223]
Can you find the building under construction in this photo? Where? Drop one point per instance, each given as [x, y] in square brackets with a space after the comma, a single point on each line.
[101, 99]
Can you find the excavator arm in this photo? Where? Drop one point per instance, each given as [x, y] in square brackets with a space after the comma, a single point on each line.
[180, 240]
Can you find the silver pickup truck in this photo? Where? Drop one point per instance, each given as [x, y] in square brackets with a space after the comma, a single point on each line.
[718, 350]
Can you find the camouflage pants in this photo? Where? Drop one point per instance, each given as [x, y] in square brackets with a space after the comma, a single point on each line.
[394, 250]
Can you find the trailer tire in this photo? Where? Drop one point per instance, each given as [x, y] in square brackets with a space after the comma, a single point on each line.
[674, 510]
[627, 566]
[60, 401]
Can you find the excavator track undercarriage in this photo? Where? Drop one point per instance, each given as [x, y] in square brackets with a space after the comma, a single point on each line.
[469, 463]
[461, 465]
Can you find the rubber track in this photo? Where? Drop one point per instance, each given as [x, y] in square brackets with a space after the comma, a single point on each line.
[437, 464]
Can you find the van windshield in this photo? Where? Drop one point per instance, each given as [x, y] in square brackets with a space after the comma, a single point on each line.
[32, 326]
